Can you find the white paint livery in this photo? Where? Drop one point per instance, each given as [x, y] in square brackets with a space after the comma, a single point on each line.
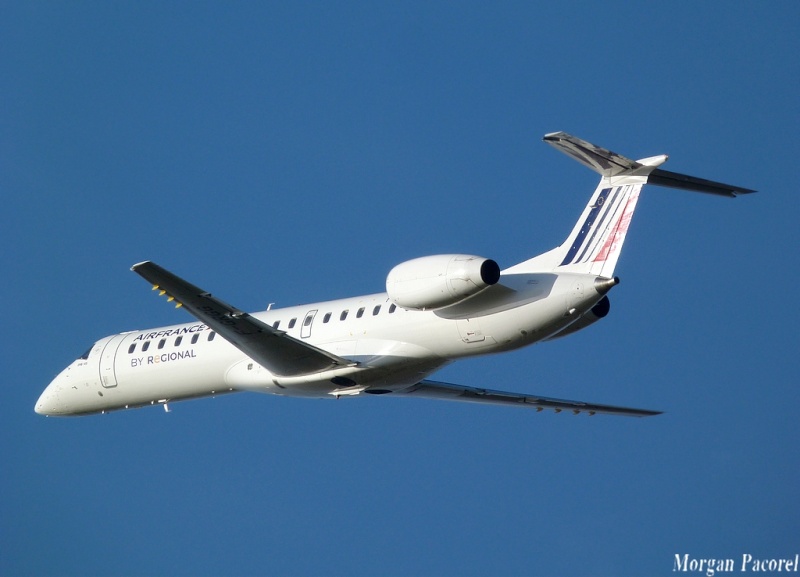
[436, 310]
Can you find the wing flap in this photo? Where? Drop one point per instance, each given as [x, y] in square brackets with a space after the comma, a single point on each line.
[276, 351]
[451, 392]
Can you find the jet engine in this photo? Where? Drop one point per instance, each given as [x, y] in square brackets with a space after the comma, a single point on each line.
[597, 312]
[434, 282]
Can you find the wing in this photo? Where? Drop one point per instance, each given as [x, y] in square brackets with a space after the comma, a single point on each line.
[449, 392]
[273, 349]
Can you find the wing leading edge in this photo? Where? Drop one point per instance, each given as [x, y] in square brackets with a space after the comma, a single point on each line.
[450, 392]
[273, 349]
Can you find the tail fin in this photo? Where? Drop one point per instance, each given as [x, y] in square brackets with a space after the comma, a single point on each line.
[594, 245]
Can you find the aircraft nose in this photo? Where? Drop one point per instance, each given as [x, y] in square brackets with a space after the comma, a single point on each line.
[48, 403]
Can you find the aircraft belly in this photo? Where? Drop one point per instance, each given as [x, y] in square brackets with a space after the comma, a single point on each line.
[374, 380]
[381, 363]
[172, 375]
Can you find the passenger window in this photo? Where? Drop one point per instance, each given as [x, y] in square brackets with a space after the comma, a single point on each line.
[343, 315]
[194, 338]
[392, 308]
[276, 324]
[178, 341]
[145, 346]
[161, 343]
[376, 310]
[131, 348]
[211, 336]
[291, 323]
[308, 320]
[326, 318]
[360, 313]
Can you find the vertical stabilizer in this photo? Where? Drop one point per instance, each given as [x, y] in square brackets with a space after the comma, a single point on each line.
[595, 243]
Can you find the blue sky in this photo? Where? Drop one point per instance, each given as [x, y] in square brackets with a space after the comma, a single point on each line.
[295, 152]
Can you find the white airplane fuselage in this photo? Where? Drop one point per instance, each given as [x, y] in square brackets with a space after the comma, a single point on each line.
[435, 310]
[394, 348]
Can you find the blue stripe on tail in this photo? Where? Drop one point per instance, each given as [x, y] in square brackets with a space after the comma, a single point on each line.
[587, 226]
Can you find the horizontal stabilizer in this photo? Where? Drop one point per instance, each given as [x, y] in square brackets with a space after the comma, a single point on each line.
[610, 164]
[675, 180]
[450, 392]
[599, 159]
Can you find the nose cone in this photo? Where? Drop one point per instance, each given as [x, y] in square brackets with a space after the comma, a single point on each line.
[48, 403]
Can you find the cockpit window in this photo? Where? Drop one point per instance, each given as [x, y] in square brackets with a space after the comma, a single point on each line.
[85, 355]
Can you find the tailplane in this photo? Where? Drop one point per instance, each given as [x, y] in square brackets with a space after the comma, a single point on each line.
[594, 245]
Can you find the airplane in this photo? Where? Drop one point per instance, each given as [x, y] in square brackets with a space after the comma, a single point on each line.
[436, 310]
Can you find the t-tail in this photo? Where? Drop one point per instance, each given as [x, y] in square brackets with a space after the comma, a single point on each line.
[594, 245]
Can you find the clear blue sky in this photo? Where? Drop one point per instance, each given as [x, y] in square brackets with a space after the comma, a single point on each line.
[295, 152]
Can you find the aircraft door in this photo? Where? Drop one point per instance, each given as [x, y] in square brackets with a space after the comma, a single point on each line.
[108, 374]
[305, 330]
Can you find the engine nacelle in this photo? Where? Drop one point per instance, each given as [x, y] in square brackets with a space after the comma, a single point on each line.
[597, 312]
[434, 282]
